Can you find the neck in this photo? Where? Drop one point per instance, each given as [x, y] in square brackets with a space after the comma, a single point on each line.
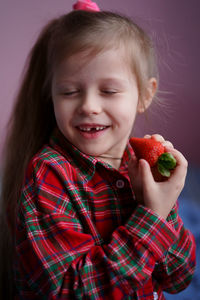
[115, 162]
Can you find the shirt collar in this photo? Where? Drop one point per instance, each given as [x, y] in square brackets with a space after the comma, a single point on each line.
[86, 164]
[82, 162]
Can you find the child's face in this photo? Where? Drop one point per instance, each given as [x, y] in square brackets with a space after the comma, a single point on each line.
[95, 102]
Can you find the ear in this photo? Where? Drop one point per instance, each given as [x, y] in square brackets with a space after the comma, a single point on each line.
[151, 89]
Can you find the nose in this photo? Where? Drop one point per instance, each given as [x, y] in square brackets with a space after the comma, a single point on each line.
[89, 104]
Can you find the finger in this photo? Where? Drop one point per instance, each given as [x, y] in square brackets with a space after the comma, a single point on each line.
[161, 139]
[158, 138]
[133, 165]
[168, 145]
[147, 136]
[146, 173]
[181, 160]
[180, 172]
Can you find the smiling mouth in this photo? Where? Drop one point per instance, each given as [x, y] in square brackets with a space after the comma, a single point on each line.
[92, 128]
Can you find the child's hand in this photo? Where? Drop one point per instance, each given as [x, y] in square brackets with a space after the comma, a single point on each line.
[160, 196]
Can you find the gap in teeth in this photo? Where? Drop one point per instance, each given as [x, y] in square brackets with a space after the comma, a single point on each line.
[92, 128]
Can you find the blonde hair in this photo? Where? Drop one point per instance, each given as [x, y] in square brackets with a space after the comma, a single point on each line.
[96, 32]
[32, 120]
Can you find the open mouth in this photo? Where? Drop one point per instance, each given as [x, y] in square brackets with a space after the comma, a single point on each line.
[92, 129]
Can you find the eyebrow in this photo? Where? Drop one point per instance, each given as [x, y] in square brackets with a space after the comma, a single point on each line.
[115, 80]
[107, 80]
[118, 81]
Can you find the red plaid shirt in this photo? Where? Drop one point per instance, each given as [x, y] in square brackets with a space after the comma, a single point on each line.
[81, 235]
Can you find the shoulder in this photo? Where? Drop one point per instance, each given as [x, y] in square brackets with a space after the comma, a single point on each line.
[47, 184]
[49, 161]
[48, 155]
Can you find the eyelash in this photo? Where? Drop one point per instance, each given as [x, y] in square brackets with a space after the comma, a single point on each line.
[71, 93]
[104, 92]
[109, 92]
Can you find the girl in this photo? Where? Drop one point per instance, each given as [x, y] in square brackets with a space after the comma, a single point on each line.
[88, 220]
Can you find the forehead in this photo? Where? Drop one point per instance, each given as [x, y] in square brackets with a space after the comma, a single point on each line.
[110, 60]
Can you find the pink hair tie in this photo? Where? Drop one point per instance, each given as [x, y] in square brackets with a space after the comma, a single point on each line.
[86, 5]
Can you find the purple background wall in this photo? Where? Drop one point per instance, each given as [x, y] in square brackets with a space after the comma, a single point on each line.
[174, 25]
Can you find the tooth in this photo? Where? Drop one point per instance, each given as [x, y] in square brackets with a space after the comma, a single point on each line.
[91, 128]
[85, 129]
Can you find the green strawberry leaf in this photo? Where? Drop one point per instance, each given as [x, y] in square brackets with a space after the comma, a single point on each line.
[165, 163]
[163, 171]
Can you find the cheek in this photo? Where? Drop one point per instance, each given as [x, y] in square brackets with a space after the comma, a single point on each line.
[127, 112]
[62, 112]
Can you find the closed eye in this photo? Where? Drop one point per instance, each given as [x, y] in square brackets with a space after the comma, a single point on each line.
[71, 93]
[109, 92]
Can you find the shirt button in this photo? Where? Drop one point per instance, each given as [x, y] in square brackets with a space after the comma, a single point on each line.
[120, 184]
[155, 296]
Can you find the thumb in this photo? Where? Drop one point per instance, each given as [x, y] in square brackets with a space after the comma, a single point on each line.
[146, 174]
[133, 166]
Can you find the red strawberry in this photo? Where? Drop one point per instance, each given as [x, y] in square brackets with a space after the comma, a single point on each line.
[154, 153]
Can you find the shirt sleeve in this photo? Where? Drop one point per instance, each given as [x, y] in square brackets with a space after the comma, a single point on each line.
[175, 270]
[56, 258]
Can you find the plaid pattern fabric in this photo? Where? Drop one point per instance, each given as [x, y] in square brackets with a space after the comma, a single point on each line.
[81, 235]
